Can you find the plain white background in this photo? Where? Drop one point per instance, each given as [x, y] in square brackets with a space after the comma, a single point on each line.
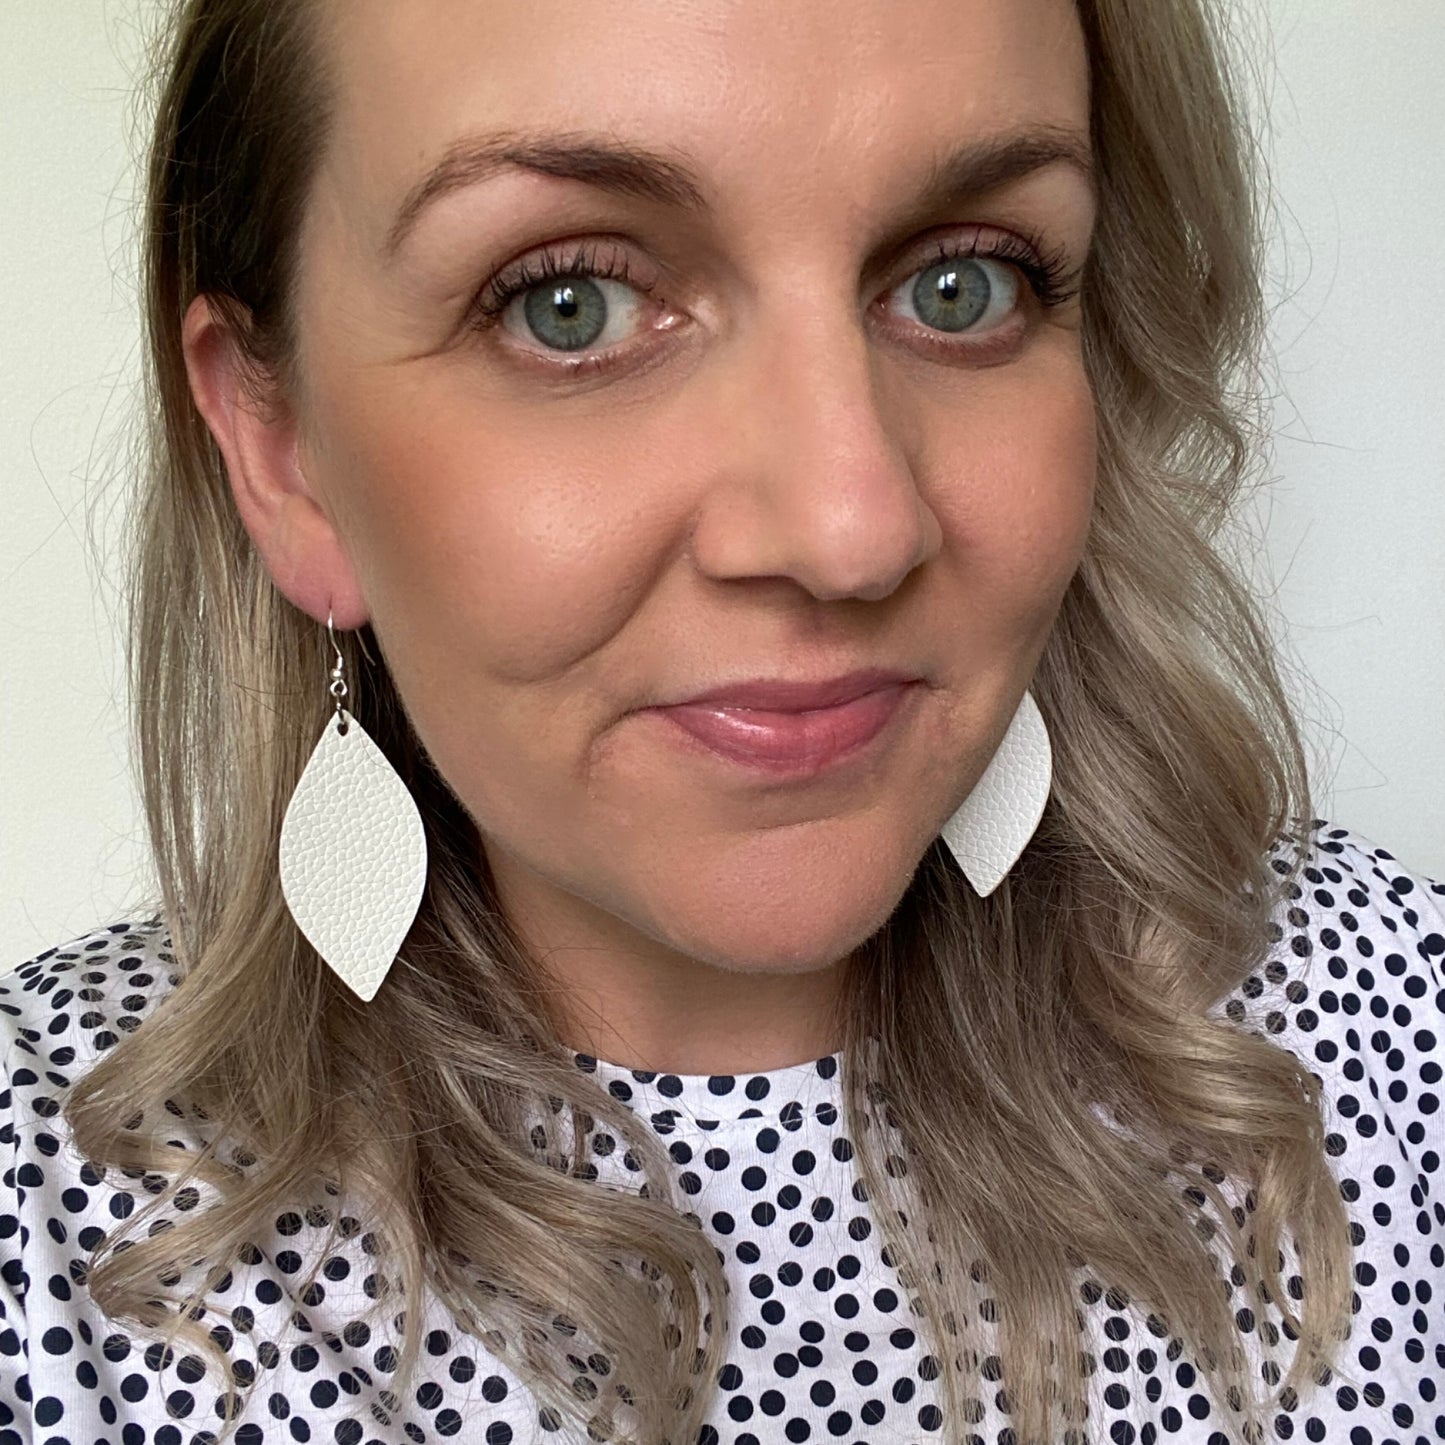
[1349, 531]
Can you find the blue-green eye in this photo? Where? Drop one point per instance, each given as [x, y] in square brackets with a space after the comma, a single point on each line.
[566, 305]
[958, 292]
[567, 315]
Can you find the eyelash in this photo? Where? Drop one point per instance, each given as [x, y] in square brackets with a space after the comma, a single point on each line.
[1048, 273]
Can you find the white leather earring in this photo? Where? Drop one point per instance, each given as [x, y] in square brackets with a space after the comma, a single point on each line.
[353, 850]
[987, 834]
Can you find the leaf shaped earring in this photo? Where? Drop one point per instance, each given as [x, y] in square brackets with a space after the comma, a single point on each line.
[353, 850]
[993, 827]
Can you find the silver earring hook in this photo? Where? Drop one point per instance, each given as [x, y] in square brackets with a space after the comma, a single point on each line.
[338, 688]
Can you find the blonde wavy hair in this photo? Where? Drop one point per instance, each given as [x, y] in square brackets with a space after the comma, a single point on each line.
[989, 1028]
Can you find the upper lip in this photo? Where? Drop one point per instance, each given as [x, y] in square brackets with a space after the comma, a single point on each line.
[797, 695]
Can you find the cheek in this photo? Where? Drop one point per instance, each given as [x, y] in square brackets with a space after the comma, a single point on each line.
[1014, 497]
[532, 543]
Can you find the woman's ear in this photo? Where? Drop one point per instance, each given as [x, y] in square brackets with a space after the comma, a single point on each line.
[297, 542]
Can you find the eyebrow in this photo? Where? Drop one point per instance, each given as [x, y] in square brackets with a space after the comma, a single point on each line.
[632, 170]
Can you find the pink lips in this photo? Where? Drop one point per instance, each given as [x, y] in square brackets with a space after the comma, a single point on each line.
[799, 740]
[784, 695]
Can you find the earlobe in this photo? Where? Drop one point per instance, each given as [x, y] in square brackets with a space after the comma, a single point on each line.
[294, 537]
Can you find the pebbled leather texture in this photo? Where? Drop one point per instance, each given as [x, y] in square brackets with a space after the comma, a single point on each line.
[352, 856]
[998, 818]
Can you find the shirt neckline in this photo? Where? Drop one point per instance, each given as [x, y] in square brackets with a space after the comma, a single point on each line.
[784, 1095]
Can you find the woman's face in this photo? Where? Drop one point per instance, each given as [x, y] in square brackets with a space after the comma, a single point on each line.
[779, 431]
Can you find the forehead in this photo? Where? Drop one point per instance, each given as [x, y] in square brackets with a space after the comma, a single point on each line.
[763, 95]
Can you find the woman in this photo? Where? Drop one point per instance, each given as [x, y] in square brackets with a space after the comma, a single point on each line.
[735, 866]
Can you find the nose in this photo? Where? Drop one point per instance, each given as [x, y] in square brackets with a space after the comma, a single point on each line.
[810, 482]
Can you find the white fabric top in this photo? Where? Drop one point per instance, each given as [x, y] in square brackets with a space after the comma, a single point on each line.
[822, 1345]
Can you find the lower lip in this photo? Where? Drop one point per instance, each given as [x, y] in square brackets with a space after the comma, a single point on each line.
[793, 743]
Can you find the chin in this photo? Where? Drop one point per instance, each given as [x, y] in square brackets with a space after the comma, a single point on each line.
[803, 930]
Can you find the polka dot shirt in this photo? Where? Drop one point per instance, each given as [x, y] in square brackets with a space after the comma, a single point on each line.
[822, 1344]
